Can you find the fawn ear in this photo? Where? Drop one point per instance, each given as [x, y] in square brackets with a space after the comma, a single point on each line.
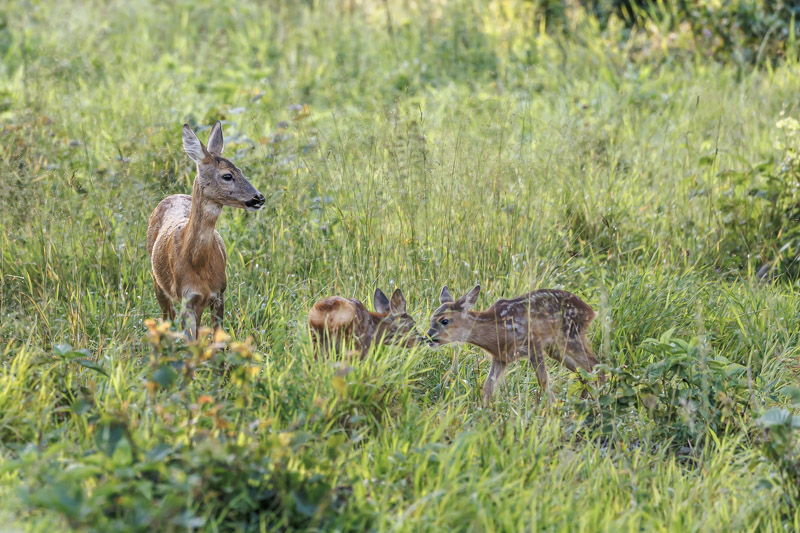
[445, 297]
[216, 144]
[380, 302]
[398, 303]
[468, 300]
[192, 145]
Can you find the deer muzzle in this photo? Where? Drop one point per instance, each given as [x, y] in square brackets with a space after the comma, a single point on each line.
[255, 203]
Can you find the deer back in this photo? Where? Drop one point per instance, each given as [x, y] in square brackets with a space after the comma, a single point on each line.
[336, 320]
[545, 305]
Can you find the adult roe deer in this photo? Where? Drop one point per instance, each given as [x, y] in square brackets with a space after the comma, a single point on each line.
[551, 322]
[335, 321]
[187, 254]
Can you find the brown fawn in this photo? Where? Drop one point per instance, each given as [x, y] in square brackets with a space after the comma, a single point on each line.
[551, 322]
[187, 254]
[337, 321]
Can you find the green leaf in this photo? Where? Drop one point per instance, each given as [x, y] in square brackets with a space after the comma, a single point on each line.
[793, 392]
[734, 369]
[108, 436]
[159, 452]
[62, 497]
[65, 351]
[655, 370]
[765, 484]
[165, 376]
[189, 520]
[92, 366]
[81, 406]
[300, 437]
[61, 349]
[777, 416]
[607, 399]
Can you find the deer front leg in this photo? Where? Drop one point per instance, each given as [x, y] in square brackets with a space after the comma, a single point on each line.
[167, 313]
[537, 360]
[573, 356]
[218, 311]
[495, 376]
[190, 317]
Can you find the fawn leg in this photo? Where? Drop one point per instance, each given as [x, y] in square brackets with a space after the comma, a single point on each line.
[563, 354]
[167, 313]
[537, 360]
[495, 376]
[581, 351]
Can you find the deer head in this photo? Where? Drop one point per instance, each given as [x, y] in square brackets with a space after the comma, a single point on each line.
[396, 326]
[451, 322]
[218, 180]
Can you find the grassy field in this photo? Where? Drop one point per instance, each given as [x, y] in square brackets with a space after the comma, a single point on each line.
[399, 144]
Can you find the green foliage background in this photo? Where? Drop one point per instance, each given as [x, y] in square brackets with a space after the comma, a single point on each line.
[640, 161]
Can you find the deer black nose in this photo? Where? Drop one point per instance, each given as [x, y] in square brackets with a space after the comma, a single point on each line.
[257, 201]
[431, 339]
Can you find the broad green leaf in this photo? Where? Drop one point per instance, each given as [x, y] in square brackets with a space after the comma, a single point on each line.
[108, 436]
[92, 366]
[777, 416]
[165, 376]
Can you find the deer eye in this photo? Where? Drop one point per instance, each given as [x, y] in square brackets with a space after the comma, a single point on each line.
[444, 322]
[227, 177]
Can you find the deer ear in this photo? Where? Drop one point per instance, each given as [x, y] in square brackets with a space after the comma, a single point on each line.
[380, 302]
[468, 300]
[192, 145]
[445, 297]
[398, 303]
[216, 144]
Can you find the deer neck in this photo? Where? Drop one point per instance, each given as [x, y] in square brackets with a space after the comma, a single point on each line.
[198, 237]
[377, 325]
[484, 332]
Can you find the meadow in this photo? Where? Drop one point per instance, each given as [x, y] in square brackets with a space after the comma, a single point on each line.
[412, 145]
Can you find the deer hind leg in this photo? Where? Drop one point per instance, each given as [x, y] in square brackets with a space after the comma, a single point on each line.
[317, 342]
[167, 312]
[329, 342]
[537, 360]
[495, 377]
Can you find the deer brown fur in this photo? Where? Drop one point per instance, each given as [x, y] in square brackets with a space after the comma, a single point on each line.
[187, 254]
[551, 322]
[337, 323]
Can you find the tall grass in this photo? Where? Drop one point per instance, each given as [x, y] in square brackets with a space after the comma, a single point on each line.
[444, 142]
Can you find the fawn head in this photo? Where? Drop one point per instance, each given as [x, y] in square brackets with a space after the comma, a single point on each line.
[449, 322]
[397, 327]
[218, 179]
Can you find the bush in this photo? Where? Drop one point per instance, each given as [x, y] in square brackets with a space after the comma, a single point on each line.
[760, 209]
[685, 392]
[200, 462]
[743, 31]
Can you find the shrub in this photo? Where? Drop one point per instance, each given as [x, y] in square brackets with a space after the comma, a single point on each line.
[781, 447]
[685, 392]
